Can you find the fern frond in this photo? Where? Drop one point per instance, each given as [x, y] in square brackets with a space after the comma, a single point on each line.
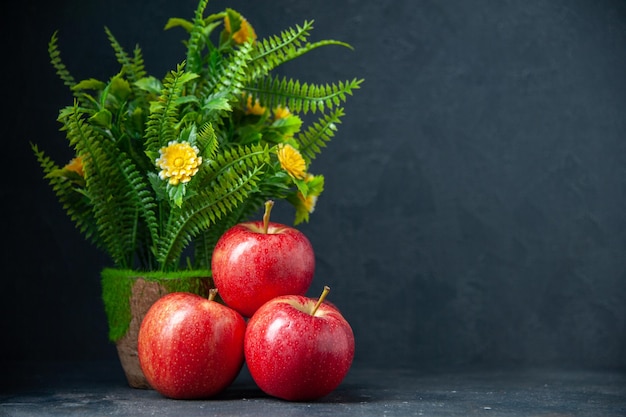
[226, 85]
[132, 67]
[231, 177]
[137, 66]
[117, 192]
[284, 47]
[196, 42]
[302, 97]
[233, 76]
[137, 195]
[199, 214]
[61, 70]
[74, 202]
[55, 58]
[231, 161]
[311, 46]
[86, 141]
[207, 140]
[161, 125]
[277, 49]
[318, 133]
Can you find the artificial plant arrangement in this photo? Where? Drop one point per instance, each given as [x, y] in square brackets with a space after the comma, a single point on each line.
[163, 167]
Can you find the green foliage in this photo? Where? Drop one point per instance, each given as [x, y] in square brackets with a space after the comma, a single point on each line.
[166, 165]
[228, 181]
[318, 133]
[57, 63]
[302, 97]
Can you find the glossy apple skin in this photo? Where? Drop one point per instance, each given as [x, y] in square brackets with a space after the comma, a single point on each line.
[295, 356]
[190, 347]
[250, 267]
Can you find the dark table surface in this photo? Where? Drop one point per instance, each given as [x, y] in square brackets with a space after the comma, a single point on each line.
[100, 389]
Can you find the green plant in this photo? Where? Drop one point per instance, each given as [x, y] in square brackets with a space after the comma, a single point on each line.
[166, 165]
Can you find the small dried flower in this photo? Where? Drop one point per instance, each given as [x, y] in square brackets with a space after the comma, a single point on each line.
[254, 108]
[306, 205]
[245, 32]
[178, 162]
[76, 165]
[308, 202]
[291, 161]
[281, 112]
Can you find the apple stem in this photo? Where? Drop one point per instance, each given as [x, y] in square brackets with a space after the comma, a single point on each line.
[321, 299]
[266, 216]
[212, 294]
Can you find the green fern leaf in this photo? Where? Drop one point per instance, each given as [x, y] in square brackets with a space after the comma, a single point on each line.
[196, 42]
[278, 49]
[85, 140]
[284, 47]
[133, 67]
[138, 68]
[224, 185]
[207, 141]
[62, 72]
[161, 126]
[118, 193]
[198, 214]
[318, 134]
[226, 85]
[68, 192]
[274, 91]
[57, 62]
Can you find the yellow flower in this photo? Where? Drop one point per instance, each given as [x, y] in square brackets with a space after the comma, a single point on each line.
[306, 205]
[245, 32]
[76, 165]
[178, 162]
[308, 202]
[311, 199]
[291, 161]
[281, 112]
[255, 108]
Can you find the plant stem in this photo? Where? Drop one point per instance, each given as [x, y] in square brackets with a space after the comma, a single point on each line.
[321, 299]
[266, 216]
[212, 294]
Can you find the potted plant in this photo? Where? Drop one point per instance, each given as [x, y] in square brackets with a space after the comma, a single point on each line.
[163, 167]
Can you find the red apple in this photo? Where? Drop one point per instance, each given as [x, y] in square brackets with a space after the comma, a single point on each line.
[256, 261]
[190, 347]
[298, 348]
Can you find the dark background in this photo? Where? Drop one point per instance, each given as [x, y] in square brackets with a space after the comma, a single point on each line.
[475, 206]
